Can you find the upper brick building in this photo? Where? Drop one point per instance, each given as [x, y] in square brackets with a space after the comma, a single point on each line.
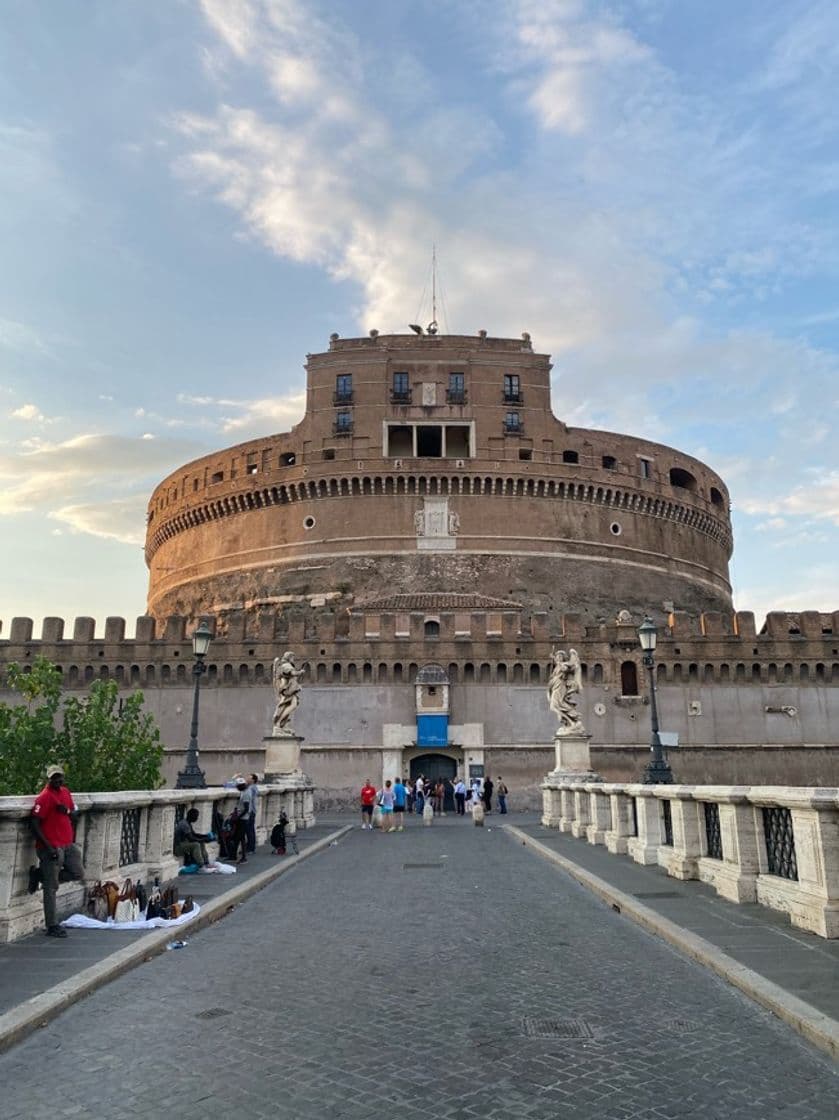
[434, 464]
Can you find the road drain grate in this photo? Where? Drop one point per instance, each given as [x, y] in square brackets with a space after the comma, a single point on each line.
[212, 1013]
[422, 866]
[557, 1028]
[657, 894]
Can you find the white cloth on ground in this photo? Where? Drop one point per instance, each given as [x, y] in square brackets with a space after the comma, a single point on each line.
[81, 921]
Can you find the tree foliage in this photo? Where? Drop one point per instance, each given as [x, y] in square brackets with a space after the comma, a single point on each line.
[102, 743]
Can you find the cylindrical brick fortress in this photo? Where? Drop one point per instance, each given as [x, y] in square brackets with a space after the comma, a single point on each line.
[434, 464]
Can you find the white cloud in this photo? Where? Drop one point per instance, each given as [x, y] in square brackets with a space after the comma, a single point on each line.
[57, 476]
[121, 519]
[27, 412]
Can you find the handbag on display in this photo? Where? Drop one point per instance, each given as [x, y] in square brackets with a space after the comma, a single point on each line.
[142, 897]
[127, 908]
[97, 902]
[187, 905]
[112, 896]
[153, 906]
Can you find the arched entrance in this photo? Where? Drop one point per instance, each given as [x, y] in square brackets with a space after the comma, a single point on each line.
[433, 767]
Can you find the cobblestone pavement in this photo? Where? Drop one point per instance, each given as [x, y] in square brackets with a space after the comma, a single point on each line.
[443, 972]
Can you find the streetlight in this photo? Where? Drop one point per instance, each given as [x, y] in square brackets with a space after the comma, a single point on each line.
[192, 777]
[657, 771]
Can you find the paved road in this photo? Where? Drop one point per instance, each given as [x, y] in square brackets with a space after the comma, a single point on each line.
[486, 985]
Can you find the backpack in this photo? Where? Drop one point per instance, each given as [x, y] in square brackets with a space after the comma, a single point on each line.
[278, 835]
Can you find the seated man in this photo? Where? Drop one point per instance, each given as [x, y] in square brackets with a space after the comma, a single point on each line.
[189, 845]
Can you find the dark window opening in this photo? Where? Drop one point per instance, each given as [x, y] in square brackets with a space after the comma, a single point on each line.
[400, 441]
[512, 388]
[512, 423]
[251, 468]
[629, 678]
[457, 389]
[716, 497]
[570, 457]
[610, 463]
[401, 390]
[429, 441]
[343, 388]
[525, 453]
[343, 423]
[288, 459]
[329, 452]
[432, 630]
[645, 467]
[682, 478]
[217, 477]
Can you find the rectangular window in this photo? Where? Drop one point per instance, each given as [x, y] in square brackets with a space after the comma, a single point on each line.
[610, 463]
[429, 441]
[570, 457]
[512, 422]
[343, 388]
[343, 423]
[401, 389]
[457, 389]
[645, 466]
[512, 388]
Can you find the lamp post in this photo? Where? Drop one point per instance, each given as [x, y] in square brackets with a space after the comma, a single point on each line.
[192, 777]
[657, 771]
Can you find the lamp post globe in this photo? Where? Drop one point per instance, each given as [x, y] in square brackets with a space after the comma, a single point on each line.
[192, 776]
[657, 771]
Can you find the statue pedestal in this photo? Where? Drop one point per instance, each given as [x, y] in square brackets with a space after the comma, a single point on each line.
[282, 756]
[573, 766]
[573, 758]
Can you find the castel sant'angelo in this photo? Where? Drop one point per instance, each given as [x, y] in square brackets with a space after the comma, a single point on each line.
[422, 540]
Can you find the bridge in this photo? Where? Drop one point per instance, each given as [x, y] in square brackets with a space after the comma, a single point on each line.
[508, 971]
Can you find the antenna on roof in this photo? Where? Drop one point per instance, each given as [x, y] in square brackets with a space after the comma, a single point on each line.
[432, 326]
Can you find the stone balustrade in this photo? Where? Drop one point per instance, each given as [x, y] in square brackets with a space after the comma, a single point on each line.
[126, 835]
[775, 845]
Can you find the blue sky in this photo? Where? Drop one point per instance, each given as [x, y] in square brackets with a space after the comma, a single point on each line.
[194, 195]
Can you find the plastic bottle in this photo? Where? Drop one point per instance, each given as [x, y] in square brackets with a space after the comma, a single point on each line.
[177, 945]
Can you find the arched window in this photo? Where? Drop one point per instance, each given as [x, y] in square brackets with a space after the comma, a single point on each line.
[518, 673]
[453, 673]
[755, 672]
[468, 672]
[244, 674]
[382, 672]
[352, 672]
[725, 672]
[709, 672]
[629, 678]
[535, 673]
[397, 672]
[367, 672]
[336, 673]
[804, 673]
[597, 673]
[501, 673]
[227, 674]
[682, 478]
[740, 672]
[661, 673]
[432, 628]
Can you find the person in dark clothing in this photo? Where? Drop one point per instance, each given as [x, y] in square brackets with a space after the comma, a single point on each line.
[190, 845]
[487, 794]
[244, 809]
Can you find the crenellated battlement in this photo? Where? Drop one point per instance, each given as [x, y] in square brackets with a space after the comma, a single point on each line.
[506, 645]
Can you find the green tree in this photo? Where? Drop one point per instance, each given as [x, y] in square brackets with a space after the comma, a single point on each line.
[103, 743]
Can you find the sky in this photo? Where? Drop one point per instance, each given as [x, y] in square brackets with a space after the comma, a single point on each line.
[196, 193]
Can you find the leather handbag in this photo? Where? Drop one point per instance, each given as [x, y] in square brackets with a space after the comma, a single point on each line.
[188, 904]
[127, 908]
[142, 897]
[97, 902]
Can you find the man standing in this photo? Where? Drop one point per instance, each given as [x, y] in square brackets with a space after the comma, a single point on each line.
[244, 811]
[52, 822]
[460, 797]
[368, 800]
[399, 799]
[501, 792]
[419, 794]
[253, 790]
[487, 794]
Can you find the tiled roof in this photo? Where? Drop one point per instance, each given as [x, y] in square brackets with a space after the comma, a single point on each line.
[439, 601]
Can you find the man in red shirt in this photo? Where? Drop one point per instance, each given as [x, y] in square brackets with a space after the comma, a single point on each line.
[368, 800]
[52, 823]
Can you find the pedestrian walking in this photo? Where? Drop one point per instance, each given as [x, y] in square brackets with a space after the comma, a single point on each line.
[486, 795]
[460, 797]
[368, 800]
[386, 806]
[399, 799]
[440, 797]
[253, 789]
[53, 816]
[501, 792]
[409, 795]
